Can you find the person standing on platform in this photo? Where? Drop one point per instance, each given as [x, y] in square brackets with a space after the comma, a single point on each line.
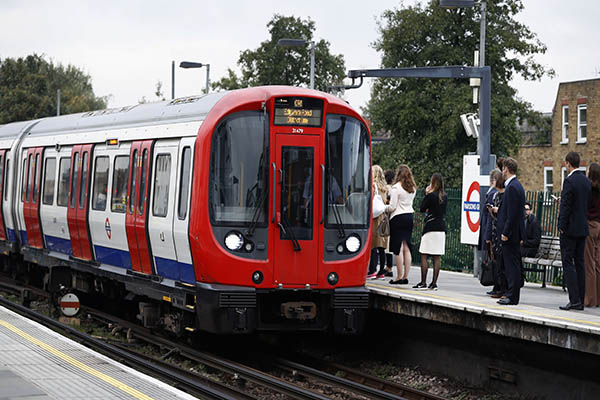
[533, 233]
[401, 221]
[378, 242]
[485, 230]
[573, 228]
[498, 267]
[433, 241]
[389, 258]
[511, 225]
[592, 243]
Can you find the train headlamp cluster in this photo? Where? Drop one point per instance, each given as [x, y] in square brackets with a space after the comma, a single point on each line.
[235, 241]
[351, 245]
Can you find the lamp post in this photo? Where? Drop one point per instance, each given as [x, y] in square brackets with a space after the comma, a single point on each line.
[189, 64]
[300, 43]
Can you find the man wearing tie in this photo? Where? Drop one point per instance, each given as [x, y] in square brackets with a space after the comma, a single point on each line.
[573, 228]
[511, 225]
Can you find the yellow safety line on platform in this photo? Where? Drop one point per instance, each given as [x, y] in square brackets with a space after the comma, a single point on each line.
[108, 379]
[503, 308]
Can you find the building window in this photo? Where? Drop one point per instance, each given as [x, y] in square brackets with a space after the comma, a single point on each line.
[565, 125]
[582, 123]
[548, 183]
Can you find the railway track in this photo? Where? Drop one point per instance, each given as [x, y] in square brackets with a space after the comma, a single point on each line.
[298, 369]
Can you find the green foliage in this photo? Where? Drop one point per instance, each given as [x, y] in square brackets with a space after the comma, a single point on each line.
[423, 115]
[271, 64]
[28, 88]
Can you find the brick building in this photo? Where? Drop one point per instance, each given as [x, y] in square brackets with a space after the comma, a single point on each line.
[575, 127]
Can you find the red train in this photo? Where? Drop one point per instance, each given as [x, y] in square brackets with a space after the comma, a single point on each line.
[230, 212]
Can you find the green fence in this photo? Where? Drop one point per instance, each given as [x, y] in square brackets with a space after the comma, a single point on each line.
[459, 257]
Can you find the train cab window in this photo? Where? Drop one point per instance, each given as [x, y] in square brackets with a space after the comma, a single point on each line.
[84, 180]
[118, 201]
[133, 179]
[184, 184]
[6, 175]
[24, 180]
[36, 175]
[29, 176]
[2, 171]
[160, 201]
[239, 171]
[99, 194]
[64, 173]
[49, 180]
[74, 180]
[143, 190]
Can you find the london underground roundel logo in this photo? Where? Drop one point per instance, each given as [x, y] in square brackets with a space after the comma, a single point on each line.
[472, 207]
[107, 228]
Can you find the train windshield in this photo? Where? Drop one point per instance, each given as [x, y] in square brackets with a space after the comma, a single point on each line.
[239, 171]
[347, 165]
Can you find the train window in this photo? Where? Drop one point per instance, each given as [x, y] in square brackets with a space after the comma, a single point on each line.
[6, 175]
[162, 176]
[74, 180]
[49, 180]
[239, 173]
[64, 173]
[184, 184]
[133, 179]
[84, 181]
[29, 176]
[36, 177]
[143, 182]
[118, 201]
[1, 171]
[99, 195]
[24, 180]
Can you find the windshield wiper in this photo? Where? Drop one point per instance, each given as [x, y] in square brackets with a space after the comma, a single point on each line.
[257, 213]
[285, 224]
[338, 219]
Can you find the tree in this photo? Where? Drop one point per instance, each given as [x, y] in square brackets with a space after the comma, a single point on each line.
[28, 88]
[160, 96]
[423, 114]
[271, 64]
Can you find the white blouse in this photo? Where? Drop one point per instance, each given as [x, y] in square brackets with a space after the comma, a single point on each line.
[401, 202]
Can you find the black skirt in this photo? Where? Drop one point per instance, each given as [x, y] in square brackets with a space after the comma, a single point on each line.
[401, 227]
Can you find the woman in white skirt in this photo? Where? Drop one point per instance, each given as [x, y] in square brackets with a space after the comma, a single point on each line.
[433, 241]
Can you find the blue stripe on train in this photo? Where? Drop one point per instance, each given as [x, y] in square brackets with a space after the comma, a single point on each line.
[110, 256]
[59, 244]
[24, 238]
[175, 270]
[11, 235]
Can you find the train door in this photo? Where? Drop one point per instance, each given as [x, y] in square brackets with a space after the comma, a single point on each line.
[298, 200]
[160, 221]
[77, 210]
[31, 207]
[8, 198]
[23, 172]
[137, 206]
[109, 204]
[54, 199]
[182, 210]
[2, 171]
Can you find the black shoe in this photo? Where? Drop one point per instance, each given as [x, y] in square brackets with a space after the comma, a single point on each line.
[570, 306]
[491, 292]
[396, 282]
[420, 286]
[404, 282]
[432, 286]
[506, 301]
[389, 274]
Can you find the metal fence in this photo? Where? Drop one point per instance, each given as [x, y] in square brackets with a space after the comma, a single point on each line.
[459, 257]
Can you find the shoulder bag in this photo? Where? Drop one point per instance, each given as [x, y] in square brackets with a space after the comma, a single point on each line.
[378, 204]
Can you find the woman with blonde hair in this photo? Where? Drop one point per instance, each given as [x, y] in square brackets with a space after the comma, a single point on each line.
[401, 221]
[592, 242]
[378, 242]
[433, 241]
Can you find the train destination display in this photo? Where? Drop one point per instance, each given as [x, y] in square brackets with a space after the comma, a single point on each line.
[298, 111]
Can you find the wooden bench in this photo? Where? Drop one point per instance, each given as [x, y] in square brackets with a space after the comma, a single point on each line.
[548, 255]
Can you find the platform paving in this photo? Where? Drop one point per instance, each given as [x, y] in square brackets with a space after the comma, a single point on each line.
[462, 300]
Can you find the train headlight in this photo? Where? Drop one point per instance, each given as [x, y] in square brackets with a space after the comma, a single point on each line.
[257, 277]
[333, 278]
[234, 241]
[353, 244]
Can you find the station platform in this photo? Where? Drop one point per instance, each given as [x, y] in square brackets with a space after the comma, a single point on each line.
[37, 363]
[461, 300]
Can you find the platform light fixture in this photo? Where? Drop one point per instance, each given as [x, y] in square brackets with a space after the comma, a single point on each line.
[302, 43]
[190, 64]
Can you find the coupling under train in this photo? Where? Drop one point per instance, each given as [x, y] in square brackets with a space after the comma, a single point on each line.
[231, 212]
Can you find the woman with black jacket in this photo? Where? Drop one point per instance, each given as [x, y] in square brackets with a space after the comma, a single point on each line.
[433, 241]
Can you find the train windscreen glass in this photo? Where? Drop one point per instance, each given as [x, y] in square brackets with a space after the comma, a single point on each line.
[298, 111]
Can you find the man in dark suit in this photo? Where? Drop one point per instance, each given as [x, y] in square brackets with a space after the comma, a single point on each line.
[533, 233]
[573, 228]
[511, 225]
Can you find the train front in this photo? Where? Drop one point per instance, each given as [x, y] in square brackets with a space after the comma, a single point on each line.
[289, 208]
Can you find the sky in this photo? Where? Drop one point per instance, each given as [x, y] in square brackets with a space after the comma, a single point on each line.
[128, 46]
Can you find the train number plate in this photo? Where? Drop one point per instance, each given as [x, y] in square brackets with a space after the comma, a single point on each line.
[302, 310]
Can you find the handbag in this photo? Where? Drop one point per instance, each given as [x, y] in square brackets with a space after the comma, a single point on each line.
[487, 269]
[383, 229]
[378, 204]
